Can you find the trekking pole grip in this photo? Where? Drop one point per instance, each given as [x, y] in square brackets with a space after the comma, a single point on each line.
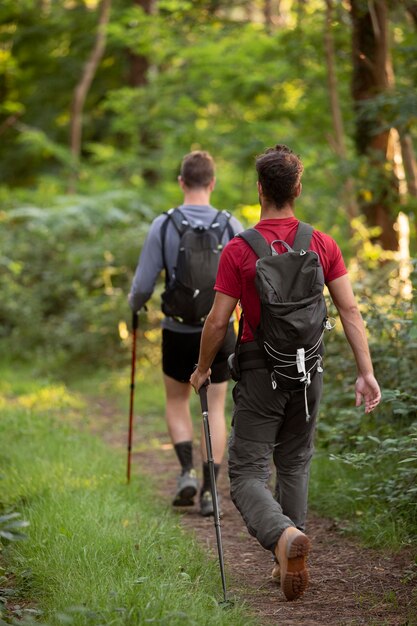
[203, 397]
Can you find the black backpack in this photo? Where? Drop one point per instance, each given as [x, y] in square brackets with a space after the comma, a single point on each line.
[189, 295]
[293, 309]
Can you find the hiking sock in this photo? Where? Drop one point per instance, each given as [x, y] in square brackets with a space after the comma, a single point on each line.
[206, 476]
[184, 451]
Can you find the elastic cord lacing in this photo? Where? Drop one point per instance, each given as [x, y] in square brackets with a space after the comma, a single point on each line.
[301, 359]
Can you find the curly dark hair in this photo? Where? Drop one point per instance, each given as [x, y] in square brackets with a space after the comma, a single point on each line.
[279, 173]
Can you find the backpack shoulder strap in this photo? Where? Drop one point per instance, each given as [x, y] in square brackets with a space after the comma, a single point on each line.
[163, 237]
[180, 223]
[220, 223]
[179, 220]
[303, 237]
[255, 240]
[229, 227]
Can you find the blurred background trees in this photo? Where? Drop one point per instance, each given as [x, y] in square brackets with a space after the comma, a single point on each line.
[112, 93]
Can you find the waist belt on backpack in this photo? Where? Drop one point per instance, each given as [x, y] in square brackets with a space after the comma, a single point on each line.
[251, 357]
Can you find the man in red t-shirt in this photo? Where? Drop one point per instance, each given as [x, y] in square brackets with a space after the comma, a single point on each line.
[271, 422]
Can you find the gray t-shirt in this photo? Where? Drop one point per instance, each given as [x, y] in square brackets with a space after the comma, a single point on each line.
[151, 260]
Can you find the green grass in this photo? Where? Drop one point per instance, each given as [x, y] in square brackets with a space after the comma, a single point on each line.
[97, 551]
[149, 401]
[339, 491]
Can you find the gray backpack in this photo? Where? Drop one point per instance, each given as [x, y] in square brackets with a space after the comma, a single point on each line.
[293, 309]
[189, 294]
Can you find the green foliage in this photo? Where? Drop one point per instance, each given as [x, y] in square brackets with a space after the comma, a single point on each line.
[234, 109]
[190, 97]
[214, 76]
[65, 276]
[339, 490]
[379, 448]
[395, 459]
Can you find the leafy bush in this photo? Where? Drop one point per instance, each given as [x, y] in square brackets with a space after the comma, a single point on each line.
[65, 272]
[379, 446]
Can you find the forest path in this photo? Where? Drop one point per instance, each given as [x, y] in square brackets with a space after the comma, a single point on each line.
[349, 585]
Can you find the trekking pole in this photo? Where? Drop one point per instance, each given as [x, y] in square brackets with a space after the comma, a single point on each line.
[204, 409]
[132, 393]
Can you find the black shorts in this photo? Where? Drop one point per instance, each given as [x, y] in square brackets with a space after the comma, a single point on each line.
[180, 354]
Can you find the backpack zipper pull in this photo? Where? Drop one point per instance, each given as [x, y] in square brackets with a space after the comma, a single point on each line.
[307, 381]
[308, 416]
[273, 381]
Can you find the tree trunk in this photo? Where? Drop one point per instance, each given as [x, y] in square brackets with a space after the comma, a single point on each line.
[410, 166]
[81, 90]
[339, 134]
[139, 64]
[138, 77]
[411, 6]
[409, 161]
[267, 9]
[214, 6]
[372, 76]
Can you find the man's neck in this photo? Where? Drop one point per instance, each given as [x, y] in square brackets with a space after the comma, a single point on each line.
[197, 196]
[271, 212]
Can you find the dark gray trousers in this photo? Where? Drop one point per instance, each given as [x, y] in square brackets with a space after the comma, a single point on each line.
[271, 424]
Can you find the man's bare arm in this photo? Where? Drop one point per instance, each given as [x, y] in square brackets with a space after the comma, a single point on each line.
[366, 388]
[212, 337]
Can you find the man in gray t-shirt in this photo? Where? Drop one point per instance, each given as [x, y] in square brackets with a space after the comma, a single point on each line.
[181, 342]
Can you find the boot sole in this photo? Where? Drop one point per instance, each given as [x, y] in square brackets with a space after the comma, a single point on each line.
[296, 577]
[185, 497]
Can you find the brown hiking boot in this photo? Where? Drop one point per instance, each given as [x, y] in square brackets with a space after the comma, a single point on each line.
[291, 552]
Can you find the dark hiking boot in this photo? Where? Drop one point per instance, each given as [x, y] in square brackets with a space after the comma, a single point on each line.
[291, 552]
[187, 486]
[207, 506]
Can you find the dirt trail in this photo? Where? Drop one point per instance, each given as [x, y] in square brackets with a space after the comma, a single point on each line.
[350, 585]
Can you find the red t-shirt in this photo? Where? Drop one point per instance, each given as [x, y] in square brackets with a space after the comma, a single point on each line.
[236, 274]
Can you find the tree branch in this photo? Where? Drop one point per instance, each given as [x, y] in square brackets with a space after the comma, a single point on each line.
[82, 88]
